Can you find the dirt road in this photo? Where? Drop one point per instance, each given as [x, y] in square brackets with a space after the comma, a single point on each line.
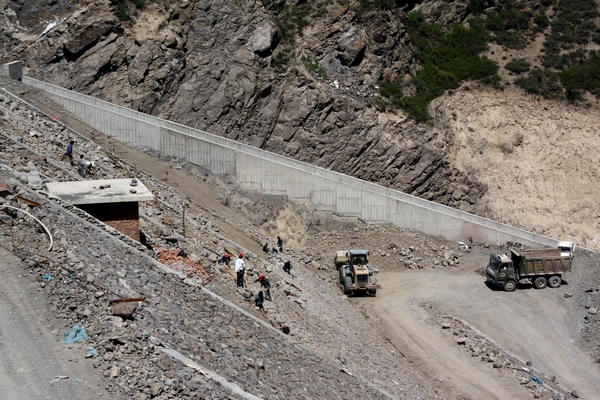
[534, 325]
[34, 363]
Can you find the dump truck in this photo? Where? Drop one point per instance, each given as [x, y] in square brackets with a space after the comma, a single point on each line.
[354, 271]
[540, 267]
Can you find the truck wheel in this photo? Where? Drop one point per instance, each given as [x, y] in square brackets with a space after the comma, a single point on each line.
[554, 281]
[510, 286]
[374, 292]
[540, 282]
[347, 281]
[341, 275]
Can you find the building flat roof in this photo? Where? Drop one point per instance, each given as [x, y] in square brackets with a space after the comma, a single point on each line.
[101, 191]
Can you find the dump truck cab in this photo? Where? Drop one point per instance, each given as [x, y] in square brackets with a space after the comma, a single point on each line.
[567, 249]
[355, 272]
[500, 271]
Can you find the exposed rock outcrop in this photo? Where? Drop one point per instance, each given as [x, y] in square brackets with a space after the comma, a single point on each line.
[208, 64]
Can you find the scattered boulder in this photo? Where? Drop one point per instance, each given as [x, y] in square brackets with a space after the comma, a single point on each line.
[264, 39]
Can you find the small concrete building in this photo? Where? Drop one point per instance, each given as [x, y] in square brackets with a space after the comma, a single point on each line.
[112, 201]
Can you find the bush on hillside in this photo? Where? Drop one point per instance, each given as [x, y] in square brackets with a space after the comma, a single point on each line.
[518, 66]
[585, 76]
[477, 6]
[447, 60]
[542, 82]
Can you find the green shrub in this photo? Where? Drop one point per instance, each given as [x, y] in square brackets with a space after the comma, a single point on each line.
[477, 6]
[542, 82]
[282, 59]
[313, 67]
[518, 66]
[447, 59]
[510, 25]
[573, 25]
[541, 20]
[371, 5]
[391, 90]
[511, 39]
[585, 76]
[122, 15]
[556, 61]
[493, 81]
[139, 4]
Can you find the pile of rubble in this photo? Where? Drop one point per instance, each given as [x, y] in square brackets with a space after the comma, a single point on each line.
[89, 268]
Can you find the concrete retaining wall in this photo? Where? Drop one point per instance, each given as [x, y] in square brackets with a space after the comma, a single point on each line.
[329, 192]
[14, 70]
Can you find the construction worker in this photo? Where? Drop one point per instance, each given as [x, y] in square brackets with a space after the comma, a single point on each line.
[264, 282]
[238, 267]
[287, 266]
[225, 259]
[69, 153]
[259, 301]
[81, 165]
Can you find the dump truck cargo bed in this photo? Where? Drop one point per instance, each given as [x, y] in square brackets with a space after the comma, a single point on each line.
[540, 262]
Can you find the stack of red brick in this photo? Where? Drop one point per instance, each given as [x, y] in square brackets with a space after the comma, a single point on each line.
[189, 267]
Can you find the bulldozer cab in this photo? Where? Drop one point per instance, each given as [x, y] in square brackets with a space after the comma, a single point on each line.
[359, 260]
[358, 257]
[359, 264]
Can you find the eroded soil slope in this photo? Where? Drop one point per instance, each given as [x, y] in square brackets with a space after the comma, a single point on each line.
[540, 160]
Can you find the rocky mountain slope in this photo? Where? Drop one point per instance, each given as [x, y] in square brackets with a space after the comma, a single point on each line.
[208, 64]
[300, 79]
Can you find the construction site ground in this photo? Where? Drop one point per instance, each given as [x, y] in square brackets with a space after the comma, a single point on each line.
[434, 330]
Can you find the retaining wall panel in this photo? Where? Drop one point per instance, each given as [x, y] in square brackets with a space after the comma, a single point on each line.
[323, 198]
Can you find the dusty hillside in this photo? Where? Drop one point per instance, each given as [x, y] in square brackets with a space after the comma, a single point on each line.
[540, 160]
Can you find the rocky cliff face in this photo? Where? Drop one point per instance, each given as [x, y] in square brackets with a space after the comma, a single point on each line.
[210, 64]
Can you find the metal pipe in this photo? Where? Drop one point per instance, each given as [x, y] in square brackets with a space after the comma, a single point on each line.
[40, 222]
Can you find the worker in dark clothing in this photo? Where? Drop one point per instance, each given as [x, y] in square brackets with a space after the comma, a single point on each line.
[264, 282]
[287, 266]
[69, 152]
[259, 301]
[280, 243]
[266, 248]
[225, 259]
[284, 328]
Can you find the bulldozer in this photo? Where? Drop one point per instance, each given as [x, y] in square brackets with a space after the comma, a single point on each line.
[355, 273]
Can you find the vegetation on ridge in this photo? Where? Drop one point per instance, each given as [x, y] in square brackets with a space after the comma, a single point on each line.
[447, 59]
